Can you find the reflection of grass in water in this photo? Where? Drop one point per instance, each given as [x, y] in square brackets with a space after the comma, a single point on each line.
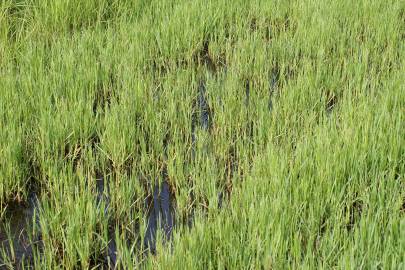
[291, 111]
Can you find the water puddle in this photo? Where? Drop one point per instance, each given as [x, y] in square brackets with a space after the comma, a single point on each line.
[103, 200]
[111, 252]
[161, 215]
[16, 247]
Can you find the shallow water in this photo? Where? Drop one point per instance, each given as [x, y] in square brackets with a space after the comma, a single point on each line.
[161, 215]
[102, 196]
[13, 227]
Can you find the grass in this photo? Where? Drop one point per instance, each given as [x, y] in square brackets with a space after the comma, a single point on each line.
[303, 148]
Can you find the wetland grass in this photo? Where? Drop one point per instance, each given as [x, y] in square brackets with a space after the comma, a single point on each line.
[202, 135]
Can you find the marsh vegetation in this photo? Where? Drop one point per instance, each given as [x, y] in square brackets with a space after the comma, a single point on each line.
[202, 134]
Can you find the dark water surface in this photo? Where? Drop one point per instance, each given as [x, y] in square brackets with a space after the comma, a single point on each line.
[103, 196]
[161, 215]
[14, 237]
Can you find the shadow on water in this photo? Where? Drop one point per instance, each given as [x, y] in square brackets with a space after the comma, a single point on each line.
[16, 246]
[161, 214]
